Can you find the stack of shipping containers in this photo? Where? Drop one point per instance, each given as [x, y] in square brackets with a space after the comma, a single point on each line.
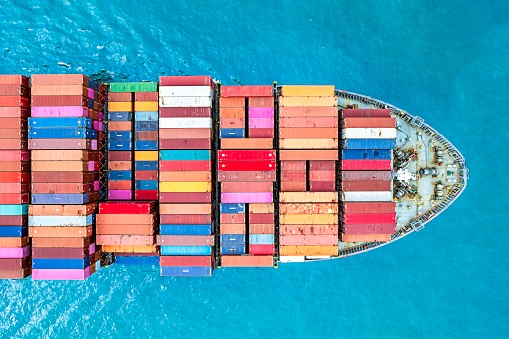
[185, 175]
[128, 228]
[14, 177]
[64, 131]
[308, 152]
[247, 172]
[369, 214]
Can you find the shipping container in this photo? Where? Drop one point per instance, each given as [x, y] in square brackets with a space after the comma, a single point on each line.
[369, 143]
[136, 240]
[262, 197]
[261, 208]
[309, 219]
[308, 197]
[63, 252]
[307, 155]
[186, 271]
[191, 261]
[292, 186]
[232, 187]
[307, 90]
[59, 232]
[194, 80]
[179, 229]
[61, 242]
[185, 187]
[369, 123]
[137, 260]
[367, 196]
[46, 220]
[378, 228]
[185, 133]
[232, 218]
[185, 155]
[233, 208]
[309, 251]
[246, 143]
[232, 133]
[266, 102]
[366, 154]
[308, 240]
[15, 253]
[369, 133]
[115, 229]
[366, 165]
[322, 175]
[246, 261]
[129, 248]
[261, 133]
[372, 185]
[292, 230]
[166, 197]
[133, 87]
[261, 165]
[233, 102]
[261, 239]
[186, 250]
[369, 207]
[185, 144]
[186, 91]
[185, 219]
[324, 101]
[365, 237]
[174, 101]
[246, 155]
[369, 218]
[233, 228]
[233, 249]
[308, 133]
[260, 228]
[261, 249]
[185, 112]
[189, 176]
[246, 91]
[236, 176]
[366, 113]
[193, 165]
[60, 263]
[126, 219]
[60, 274]
[17, 241]
[185, 240]
[366, 176]
[147, 106]
[15, 112]
[261, 218]
[145, 96]
[261, 111]
[120, 96]
[185, 209]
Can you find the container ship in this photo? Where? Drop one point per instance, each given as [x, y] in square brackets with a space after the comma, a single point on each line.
[191, 176]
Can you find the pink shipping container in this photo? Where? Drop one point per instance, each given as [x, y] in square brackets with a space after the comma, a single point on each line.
[120, 195]
[366, 165]
[260, 155]
[366, 175]
[261, 122]
[15, 253]
[369, 207]
[246, 91]
[56, 274]
[60, 111]
[232, 187]
[261, 228]
[369, 229]
[293, 175]
[308, 122]
[366, 186]
[366, 113]
[367, 218]
[293, 165]
[185, 240]
[309, 230]
[322, 165]
[308, 240]
[369, 123]
[261, 112]
[261, 249]
[186, 261]
[322, 186]
[259, 197]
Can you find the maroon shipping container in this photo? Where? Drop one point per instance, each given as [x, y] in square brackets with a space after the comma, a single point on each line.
[64, 177]
[185, 112]
[366, 113]
[369, 207]
[68, 144]
[366, 175]
[13, 112]
[322, 165]
[232, 218]
[369, 123]
[127, 207]
[293, 165]
[236, 176]
[120, 97]
[14, 264]
[373, 218]
[261, 218]
[186, 261]
[62, 252]
[185, 240]
[59, 100]
[185, 144]
[322, 186]
[120, 156]
[185, 219]
[14, 101]
[14, 90]
[146, 195]
[261, 133]
[14, 79]
[146, 175]
[366, 186]
[369, 229]
[146, 135]
[13, 220]
[146, 96]
[165, 197]
[261, 249]
[194, 80]
[186, 165]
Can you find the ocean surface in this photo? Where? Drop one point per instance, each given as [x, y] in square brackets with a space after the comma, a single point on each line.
[446, 61]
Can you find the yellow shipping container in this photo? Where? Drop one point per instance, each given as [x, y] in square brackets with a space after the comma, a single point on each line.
[308, 143]
[261, 208]
[146, 106]
[309, 219]
[120, 106]
[129, 248]
[185, 187]
[308, 91]
[308, 101]
[308, 197]
[247, 143]
[309, 250]
[146, 155]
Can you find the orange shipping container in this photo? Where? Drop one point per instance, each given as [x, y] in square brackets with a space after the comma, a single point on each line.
[309, 208]
[322, 176]
[183, 176]
[309, 229]
[60, 242]
[233, 228]
[308, 250]
[293, 165]
[71, 210]
[308, 143]
[309, 122]
[13, 133]
[260, 228]
[59, 166]
[116, 229]
[293, 186]
[120, 125]
[261, 102]
[309, 132]
[247, 143]
[58, 79]
[183, 133]
[133, 240]
[308, 111]
[126, 219]
[307, 155]
[232, 112]
[231, 102]
[59, 232]
[261, 208]
[232, 122]
[185, 209]
[120, 184]
[68, 155]
[6, 242]
[129, 248]
[60, 90]
[120, 165]
[146, 106]
[119, 106]
[365, 237]
[308, 101]
[246, 261]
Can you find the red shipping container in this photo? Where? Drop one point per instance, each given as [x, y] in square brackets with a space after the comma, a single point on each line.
[261, 133]
[14, 177]
[120, 96]
[14, 79]
[59, 100]
[146, 175]
[13, 112]
[247, 165]
[366, 165]
[232, 218]
[185, 144]
[186, 261]
[146, 195]
[293, 176]
[15, 166]
[236, 176]
[188, 80]
[366, 113]
[120, 156]
[146, 135]
[367, 218]
[366, 186]
[14, 264]
[185, 219]
[13, 198]
[369, 207]
[293, 165]
[322, 165]
[61, 253]
[146, 96]
[244, 155]
[309, 230]
[185, 112]
[187, 165]
[369, 123]
[237, 187]
[68, 144]
[127, 207]
[322, 176]
[120, 185]
[261, 218]
[369, 229]
[261, 228]
[184, 197]
[13, 220]
[267, 101]
[14, 101]
[366, 175]
[185, 240]
[322, 186]
[246, 91]
[261, 249]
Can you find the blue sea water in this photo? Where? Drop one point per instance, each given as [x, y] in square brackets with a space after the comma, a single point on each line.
[446, 61]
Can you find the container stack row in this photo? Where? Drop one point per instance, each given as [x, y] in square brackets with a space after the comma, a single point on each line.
[128, 229]
[15, 260]
[308, 154]
[185, 176]
[368, 212]
[64, 132]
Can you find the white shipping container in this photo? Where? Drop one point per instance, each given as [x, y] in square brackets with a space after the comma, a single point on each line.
[369, 133]
[367, 196]
[185, 91]
[185, 123]
[288, 258]
[185, 101]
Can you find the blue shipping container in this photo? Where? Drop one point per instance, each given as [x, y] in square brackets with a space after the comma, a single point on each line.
[233, 249]
[233, 208]
[146, 126]
[226, 133]
[62, 133]
[21, 209]
[233, 239]
[146, 165]
[39, 263]
[184, 155]
[120, 116]
[90, 103]
[120, 175]
[146, 116]
[60, 199]
[55, 122]
[261, 239]
[120, 145]
[146, 145]
[137, 260]
[366, 154]
[186, 271]
[61, 220]
[186, 250]
[146, 185]
[369, 143]
[13, 231]
[181, 229]
[120, 136]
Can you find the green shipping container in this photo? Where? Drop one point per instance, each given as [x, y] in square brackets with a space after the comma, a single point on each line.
[133, 87]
